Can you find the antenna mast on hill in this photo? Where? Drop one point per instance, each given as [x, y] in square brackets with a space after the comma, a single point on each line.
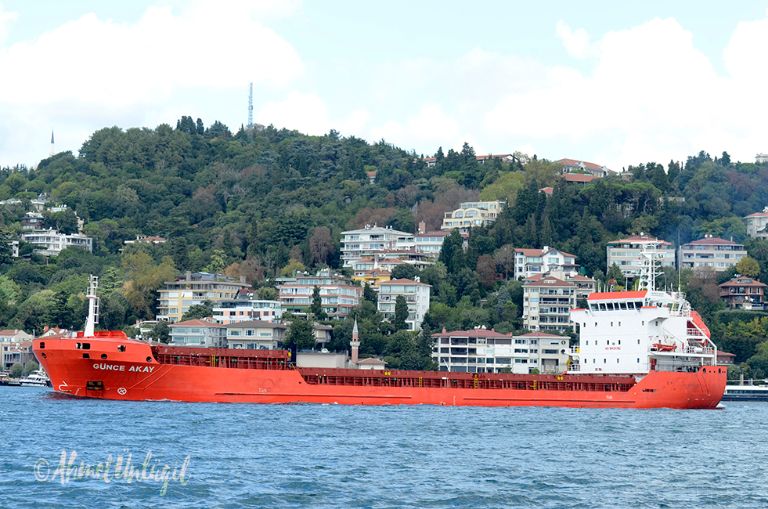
[250, 106]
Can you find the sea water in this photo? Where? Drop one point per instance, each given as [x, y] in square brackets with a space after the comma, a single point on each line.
[62, 452]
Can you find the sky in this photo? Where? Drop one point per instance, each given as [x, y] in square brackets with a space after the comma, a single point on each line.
[615, 83]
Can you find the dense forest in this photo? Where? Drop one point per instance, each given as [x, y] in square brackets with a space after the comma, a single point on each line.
[261, 203]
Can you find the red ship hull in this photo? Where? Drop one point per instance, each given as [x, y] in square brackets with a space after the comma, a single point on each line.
[115, 367]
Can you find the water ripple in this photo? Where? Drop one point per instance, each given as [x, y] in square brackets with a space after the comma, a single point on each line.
[390, 457]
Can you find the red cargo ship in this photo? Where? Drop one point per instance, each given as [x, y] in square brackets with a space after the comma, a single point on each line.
[109, 365]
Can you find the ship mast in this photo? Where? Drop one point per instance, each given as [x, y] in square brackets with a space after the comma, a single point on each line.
[650, 268]
[93, 307]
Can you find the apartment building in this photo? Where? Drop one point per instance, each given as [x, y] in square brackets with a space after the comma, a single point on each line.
[529, 262]
[472, 214]
[481, 350]
[627, 253]
[547, 302]
[710, 253]
[176, 297]
[338, 295]
[416, 295]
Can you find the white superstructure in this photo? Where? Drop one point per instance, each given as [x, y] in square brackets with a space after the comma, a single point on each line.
[639, 331]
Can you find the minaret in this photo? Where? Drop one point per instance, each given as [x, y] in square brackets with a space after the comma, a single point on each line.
[355, 344]
[52, 145]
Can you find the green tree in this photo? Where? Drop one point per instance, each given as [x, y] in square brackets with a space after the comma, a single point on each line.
[267, 293]
[198, 311]
[161, 332]
[748, 266]
[17, 370]
[452, 252]
[300, 334]
[30, 367]
[404, 271]
[401, 313]
[316, 308]
[370, 294]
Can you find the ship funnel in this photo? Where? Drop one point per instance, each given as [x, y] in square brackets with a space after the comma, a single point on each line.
[93, 307]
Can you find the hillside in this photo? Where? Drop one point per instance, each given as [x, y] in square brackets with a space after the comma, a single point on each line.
[258, 203]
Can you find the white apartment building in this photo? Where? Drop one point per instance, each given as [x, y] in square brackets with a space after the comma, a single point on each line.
[202, 333]
[255, 334]
[472, 214]
[367, 241]
[338, 296]
[486, 351]
[51, 242]
[575, 166]
[416, 295]
[176, 297]
[242, 310]
[627, 253]
[429, 243]
[529, 262]
[710, 253]
[756, 224]
[547, 303]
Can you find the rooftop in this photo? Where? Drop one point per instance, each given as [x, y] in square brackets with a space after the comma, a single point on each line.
[584, 164]
[743, 281]
[197, 323]
[474, 333]
[643, 239]
[255, 324]
[712, 241]
[579, 177]
[402, 282]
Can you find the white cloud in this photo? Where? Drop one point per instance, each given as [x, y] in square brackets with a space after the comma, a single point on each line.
[651, 95]
[98, 72]
[6, 20]
[308, 113]
[576, 42]
[430, 126]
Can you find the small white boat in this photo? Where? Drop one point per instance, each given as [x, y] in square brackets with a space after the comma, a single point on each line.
[35, 379]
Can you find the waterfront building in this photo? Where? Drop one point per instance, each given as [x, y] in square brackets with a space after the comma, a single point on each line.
[16, 352]
[176, 297]
[529, 262]
[14, 336]
[472, 214]
[416, 295]
[481, 350]
[710, 253]
[338, 295]
[761, 159]
[743, 292]
[626, 253]
[369, 240]
[756, 224]
[549, 353]
[246, 309]
[51, 242]
[254, 334]
[547, 303]
[204, 333]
